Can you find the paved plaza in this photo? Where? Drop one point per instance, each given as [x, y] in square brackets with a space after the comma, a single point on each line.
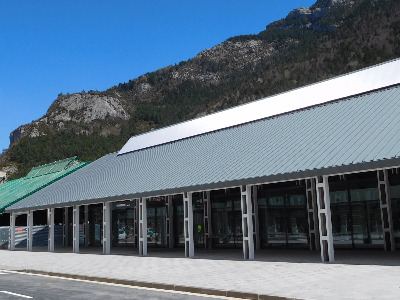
[299, 274]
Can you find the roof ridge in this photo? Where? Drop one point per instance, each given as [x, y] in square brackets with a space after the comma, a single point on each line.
[331, 102]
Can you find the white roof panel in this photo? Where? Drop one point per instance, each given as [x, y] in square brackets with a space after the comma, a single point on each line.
[368, 79]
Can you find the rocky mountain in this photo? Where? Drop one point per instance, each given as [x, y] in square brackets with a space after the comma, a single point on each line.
[330, 38]
[79, 112]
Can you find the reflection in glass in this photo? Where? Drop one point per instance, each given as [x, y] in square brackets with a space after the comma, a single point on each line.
[198, 220]
[282, 215]
[123, 218]
[156, 222]
[355, 210]
[394, 182]
[226, 218]
[179, 238]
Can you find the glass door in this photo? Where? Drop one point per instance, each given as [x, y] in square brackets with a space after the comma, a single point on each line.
[179, 238]
[297, 228]
[283, 215]
[366, 214]
[124, 227]
[340, 215]
[96, 225]
[276, 218]
[355, 211]
[156, 222]
[198, 220]
[226, 218]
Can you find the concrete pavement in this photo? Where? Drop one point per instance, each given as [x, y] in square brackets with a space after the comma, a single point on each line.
[299, 274]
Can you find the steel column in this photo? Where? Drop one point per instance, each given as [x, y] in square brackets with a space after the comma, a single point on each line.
[312, 214]
[86, 226]
[207, 220]
[66, 228]
[142, 226]
[247, 222]
[106, 227]
[29, 241]
[136, 222]
[325, 223]
[50, 224]
[75, 229]
[386, 210]
[170, 221]
[188, 224]
[11, 239]
[256, 227]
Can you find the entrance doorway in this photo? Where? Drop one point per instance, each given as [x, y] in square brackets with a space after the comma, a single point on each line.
[282, 213]
[355, 211]
[156, 222]
[123, 220]
[226, 218]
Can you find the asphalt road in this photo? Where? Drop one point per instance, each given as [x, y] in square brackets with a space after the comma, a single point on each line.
[23, 286]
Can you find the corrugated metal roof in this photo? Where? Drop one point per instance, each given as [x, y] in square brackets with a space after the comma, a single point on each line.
[53, 167]
[18, 189]
[351, 134]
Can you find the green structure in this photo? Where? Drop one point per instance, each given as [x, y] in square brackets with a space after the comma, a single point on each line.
[38, 178]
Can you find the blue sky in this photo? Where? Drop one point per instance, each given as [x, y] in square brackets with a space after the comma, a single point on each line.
[48, 46]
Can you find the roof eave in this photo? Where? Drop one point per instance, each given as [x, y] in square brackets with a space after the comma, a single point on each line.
[329, 171]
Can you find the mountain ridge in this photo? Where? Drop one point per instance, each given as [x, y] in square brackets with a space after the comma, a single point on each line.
[329, 38]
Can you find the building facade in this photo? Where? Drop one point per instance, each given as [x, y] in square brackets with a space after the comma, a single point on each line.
[321, 177]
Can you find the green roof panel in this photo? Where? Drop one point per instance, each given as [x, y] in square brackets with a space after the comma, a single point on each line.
[53, 167]
[40, 177]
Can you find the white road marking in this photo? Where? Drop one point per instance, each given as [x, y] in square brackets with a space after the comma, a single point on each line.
[15, 294]
[126, 286]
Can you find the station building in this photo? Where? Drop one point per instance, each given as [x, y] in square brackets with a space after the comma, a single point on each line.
[316, 168]
[13, 191]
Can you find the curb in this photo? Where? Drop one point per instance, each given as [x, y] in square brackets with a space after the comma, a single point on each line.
[160, 286]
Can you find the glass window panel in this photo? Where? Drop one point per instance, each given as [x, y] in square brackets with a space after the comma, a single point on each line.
[297, 200]
[227, 221]
[395, 192]
[360, 229]
[375, 223]
[156, 222]
[276, 201]
[297, 227]
[369, 194]
[341, 224]
[338, 196]
[179, 238]
[262, 202]
[276, 227]
[396, 219]
[198, 224]
[236, 204]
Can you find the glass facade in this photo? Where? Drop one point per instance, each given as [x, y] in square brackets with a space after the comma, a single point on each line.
[282, 215]
[156, 222]
[123, 224]
[355, 211]
[198, 220]
[81, 226]
[226, 217]
[95, 224]
[177, 204]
